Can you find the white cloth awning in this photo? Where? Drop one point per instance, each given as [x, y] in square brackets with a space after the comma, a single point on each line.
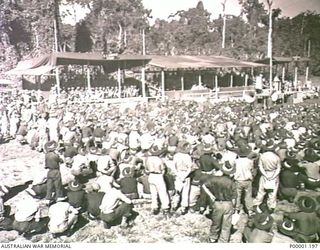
[35, 71]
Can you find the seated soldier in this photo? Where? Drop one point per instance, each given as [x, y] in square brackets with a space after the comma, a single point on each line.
[75, 194]
[129, 184]
[63, 218]
[116, 208]
[259, 230]
[93, 201]
[27, 217]
[80, 166]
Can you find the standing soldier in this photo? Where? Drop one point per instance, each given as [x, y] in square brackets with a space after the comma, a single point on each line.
[269, 166]
[42, 128]
[183, 166]
[53, 125]
[54, 182]
[156, 169]
[221, 193]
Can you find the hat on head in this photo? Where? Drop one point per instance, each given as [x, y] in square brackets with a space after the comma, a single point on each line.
[93, 150]
[155, 151]
[316, 145]
[184, 130]
[287, 227]
[114, 154]
[75, 185]
[82, 151]
[306, 204]
[228, 169]
[261, 208]
[50, 146]
[184, 147]
[263, 221]
[290, 154]
[207, 149]
[4, 189]
[128, 172]
[300, 238]
[270, 145]
[244, 151]
[196, 177]
[318, 199]
[301, 144]
[310, 155]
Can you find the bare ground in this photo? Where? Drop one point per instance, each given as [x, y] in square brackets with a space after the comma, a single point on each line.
[17, 165]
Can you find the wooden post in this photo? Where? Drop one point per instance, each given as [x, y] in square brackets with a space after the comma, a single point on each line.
[216, 85]
[143, 80]
[224, 24]
[163, 85]
[307, 74]
[246, 80]
[143, 42]
[199, 79]
[57, 81]
[55, 35]
[295, 76]
[88, 79]
[182, 82]
[283, 73]
[270, 43]
[119, 81]
[231, 80]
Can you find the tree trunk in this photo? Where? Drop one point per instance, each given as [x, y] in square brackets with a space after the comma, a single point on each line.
[224, 24]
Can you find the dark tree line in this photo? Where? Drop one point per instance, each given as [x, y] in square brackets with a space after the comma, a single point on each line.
[29, 28]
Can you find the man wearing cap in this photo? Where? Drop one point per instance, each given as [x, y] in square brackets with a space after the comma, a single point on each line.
[155, 168]
[269, 166]
[52, 163]
[219, 193]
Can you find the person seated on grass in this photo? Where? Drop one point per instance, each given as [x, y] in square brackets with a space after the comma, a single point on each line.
[63, 218]
[28, 219]
[116, 208]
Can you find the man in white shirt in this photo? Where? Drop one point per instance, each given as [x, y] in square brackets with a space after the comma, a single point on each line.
[269, 166]
[183, 167]
[27, 217]
[115, 208]
[243, 177]
[63, 217]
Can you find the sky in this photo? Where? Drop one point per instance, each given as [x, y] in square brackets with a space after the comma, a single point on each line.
[163, 8]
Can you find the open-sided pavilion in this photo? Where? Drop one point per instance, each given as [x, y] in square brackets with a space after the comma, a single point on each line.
[148, 64]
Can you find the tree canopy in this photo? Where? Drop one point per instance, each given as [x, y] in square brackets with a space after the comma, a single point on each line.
[29, 28]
